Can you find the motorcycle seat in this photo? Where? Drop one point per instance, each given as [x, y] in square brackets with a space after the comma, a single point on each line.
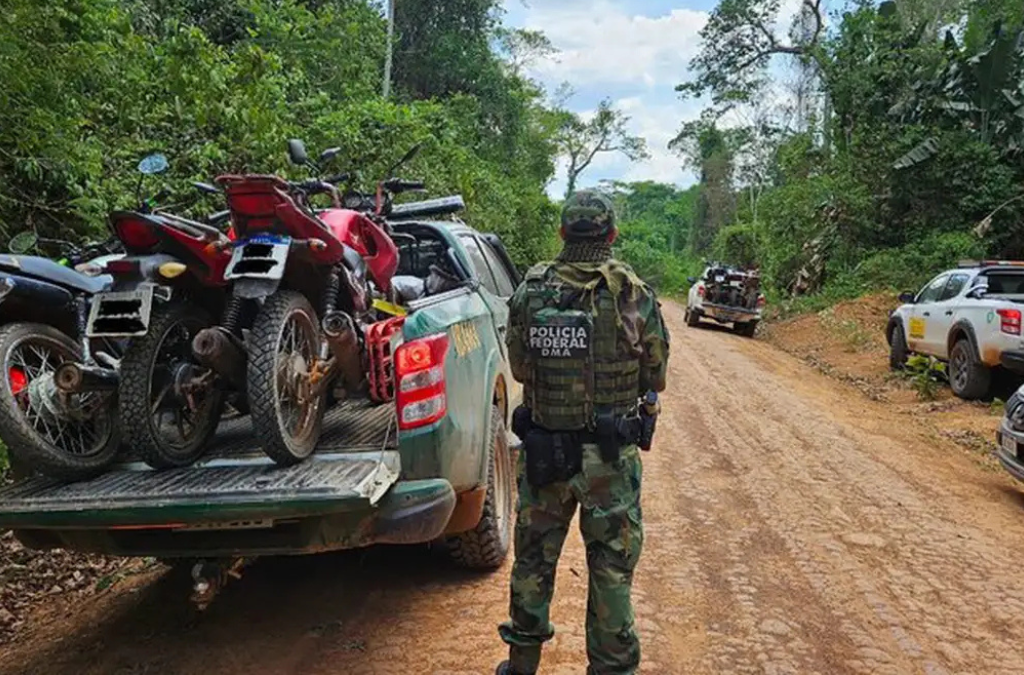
[47, 270]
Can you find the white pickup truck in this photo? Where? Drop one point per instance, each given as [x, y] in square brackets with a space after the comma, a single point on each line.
[727, 295]
[970, 317]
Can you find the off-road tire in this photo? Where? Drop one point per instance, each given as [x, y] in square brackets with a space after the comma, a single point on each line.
[486, 546]
[31, 452]
[134, 392]
[968, 377]
[692, 318]
[898, 351]
[746, 329]
[261, 379]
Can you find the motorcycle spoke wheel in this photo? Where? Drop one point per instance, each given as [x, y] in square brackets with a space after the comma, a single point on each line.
[170, 406]
[64, 436]
[286, 409]
[297, 351]
[68, 423]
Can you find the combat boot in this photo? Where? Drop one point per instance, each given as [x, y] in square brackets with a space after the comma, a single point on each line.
[506, 669]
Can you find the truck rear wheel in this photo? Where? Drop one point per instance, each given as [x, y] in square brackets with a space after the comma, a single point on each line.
[969, 378]
[486, 546]
[897, 349]
[746, 329]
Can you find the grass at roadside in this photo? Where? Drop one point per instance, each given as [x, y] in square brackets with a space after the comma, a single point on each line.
[846, 341]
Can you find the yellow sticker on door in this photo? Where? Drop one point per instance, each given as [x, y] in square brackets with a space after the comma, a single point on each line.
[917, 329]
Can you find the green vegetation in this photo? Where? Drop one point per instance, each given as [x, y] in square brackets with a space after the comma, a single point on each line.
[899, 150]
[655, 225]
[87, 88]
[926, 375]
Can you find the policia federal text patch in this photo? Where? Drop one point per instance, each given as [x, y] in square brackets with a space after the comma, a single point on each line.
[560, 335]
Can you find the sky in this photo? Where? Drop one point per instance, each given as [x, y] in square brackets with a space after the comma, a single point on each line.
[634, 52]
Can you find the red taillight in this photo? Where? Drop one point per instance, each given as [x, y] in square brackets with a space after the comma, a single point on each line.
[420, 382]
[1010, 320]
[122, 266]
[700, 291]
[761, 301]
[136, 235]
[18, 380]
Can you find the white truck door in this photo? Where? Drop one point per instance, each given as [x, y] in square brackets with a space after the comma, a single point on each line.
[944, 314]
[925, 312]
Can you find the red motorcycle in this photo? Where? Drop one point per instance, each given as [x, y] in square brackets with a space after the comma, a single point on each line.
[295, 260]
[169, 287]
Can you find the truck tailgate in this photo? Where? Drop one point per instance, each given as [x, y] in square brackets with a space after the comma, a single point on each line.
[728, 312]
[353, 468]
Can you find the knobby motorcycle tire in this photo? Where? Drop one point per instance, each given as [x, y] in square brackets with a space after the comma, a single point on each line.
[262, 379]
[134, 393]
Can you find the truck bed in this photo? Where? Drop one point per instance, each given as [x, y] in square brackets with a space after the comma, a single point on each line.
[355, 463]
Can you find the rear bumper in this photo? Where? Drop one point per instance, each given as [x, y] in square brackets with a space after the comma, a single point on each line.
[1013, 463]
[724, 314]
[1012, 361]
[412, 512]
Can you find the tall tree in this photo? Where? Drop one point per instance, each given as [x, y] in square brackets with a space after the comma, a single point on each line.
[711, 152]
[738, 42]
[523, 47]
[606, 132]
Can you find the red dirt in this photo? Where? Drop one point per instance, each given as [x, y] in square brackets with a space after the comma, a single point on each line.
[793, 526]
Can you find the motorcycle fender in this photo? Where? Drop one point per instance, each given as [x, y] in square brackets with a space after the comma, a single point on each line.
[256, 289]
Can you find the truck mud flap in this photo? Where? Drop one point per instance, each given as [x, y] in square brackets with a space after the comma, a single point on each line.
[326, 483]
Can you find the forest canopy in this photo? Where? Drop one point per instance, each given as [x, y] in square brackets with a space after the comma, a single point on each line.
[896, 149]
[87, 87]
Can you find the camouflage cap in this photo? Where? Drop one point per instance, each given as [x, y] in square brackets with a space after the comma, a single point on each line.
[588, 214]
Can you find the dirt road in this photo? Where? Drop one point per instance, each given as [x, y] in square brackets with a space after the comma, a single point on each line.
[793, 526]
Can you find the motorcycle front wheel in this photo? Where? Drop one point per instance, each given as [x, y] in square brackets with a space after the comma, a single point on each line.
[286, 408]
[68, 437]
[170, 406]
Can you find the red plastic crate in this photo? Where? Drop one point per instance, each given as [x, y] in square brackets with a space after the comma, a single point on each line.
[380, 368]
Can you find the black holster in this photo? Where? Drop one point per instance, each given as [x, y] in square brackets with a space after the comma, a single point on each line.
[613, 432]
[551, 456]
[522, 422]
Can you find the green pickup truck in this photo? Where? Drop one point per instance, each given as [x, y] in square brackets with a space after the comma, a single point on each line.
[427, 467]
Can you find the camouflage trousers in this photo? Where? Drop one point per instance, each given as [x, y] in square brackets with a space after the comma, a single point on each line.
[608, 495]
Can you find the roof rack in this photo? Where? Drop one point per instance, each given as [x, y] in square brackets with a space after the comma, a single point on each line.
[990, 263]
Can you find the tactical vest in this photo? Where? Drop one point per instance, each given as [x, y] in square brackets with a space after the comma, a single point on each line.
[578, 367]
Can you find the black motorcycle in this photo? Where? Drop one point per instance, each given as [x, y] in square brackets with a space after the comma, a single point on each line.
[44, 305]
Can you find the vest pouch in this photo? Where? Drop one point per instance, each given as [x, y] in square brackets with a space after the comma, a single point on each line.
[559, 349]
[551, 457]
[522, 422]
[540, 458]
[607, 433]
[568, 455]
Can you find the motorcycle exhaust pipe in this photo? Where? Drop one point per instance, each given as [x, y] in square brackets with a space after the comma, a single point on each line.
[343, 341]
[76, 378]
[222, 353]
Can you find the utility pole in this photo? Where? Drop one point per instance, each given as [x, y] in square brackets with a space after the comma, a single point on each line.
[390, 48]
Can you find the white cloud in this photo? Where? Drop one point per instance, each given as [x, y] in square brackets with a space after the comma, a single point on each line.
[658, 124]
[602, 42]
[610, 48]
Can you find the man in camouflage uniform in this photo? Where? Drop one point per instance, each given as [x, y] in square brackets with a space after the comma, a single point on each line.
[571, 378]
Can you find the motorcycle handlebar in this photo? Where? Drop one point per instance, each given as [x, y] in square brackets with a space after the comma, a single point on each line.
[399, 185]
[218, 218]
[313, 187]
